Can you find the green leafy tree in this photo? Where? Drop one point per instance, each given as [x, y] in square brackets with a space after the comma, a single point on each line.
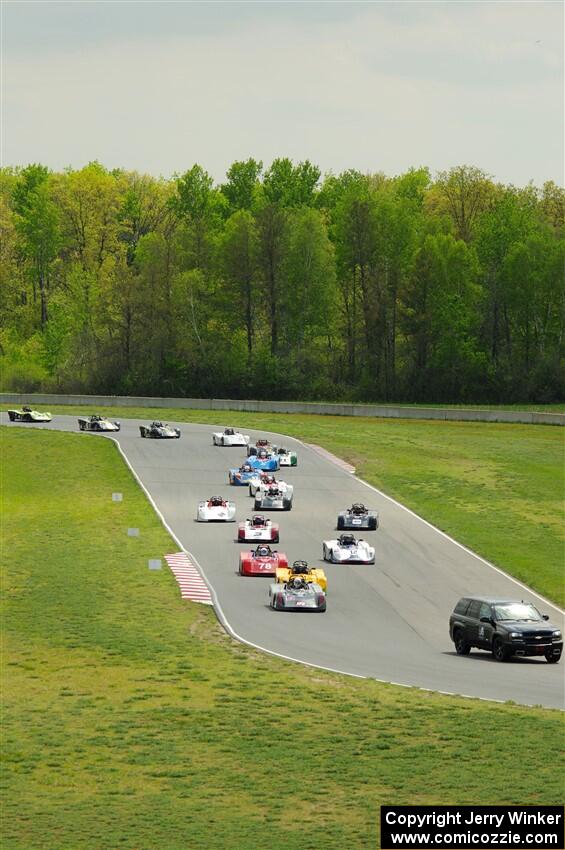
[200, 208]
[37, 226]
[290, 185]
[144, 209]
[239, 267]
[272, 240]
[441, 309]
[242, 184]
[466, 192]
[310, 274]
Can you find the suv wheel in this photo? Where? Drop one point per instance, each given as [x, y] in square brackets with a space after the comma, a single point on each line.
[499, 651]
[461, 645]
[551, 658]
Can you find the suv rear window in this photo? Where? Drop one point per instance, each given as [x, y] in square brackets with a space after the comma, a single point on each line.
[461, 606]
[474, 608]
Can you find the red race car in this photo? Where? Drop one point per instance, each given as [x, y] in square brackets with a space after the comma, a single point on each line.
[262, 561]
[258, 529]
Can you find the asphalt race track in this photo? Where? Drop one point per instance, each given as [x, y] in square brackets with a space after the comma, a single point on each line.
[387, 621]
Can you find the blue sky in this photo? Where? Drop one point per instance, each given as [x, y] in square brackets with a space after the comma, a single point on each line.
[377, 86]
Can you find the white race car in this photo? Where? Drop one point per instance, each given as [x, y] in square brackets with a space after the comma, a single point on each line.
[216, 509]
[348, 549]
[26, 414]
[286, 457]
[276, 496]
[258, 528]
[261, 479]
[97, 423]
[229, 437]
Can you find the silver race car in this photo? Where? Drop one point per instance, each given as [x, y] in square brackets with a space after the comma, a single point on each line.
[297, 594]
[97, 423]
[229, 437]
[347, 549]
[159, 431]
[216, 509]
[261, 445]
[274, 496]
[357, 516]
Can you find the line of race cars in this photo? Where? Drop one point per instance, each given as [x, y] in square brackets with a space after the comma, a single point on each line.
[296, 586]
[504, 627]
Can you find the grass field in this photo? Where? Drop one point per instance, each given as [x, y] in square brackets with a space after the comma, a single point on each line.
[131, 720]
[498, 488]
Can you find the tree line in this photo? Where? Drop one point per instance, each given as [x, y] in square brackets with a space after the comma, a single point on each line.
[279, 283]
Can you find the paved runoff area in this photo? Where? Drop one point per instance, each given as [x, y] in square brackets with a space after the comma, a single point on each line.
[387, 621]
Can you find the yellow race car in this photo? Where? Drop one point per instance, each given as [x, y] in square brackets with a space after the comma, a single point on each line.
[301, 568]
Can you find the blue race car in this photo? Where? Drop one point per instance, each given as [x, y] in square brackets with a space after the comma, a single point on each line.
[242, 476]
[264, 460]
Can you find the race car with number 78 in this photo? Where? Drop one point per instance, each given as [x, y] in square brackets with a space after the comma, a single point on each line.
[261, 561]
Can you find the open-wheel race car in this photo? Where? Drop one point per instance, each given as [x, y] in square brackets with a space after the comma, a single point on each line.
[216, 509]
[262, 479]
[297, 594]
[276, 497]
[229, 437]
[244, 475]
[159, 431]
[26, 414]
[262, 561]
[357, 516]
[261, 445]
[348, 549]
[301, 568]
[97, 423]
[264, 460]
[259, 529]
[286, 457]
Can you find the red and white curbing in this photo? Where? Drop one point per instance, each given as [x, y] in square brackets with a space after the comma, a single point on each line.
[329, 456]
[192, 585]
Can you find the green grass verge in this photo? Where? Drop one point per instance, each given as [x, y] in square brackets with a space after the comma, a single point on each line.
[131, 720]
[496, 487]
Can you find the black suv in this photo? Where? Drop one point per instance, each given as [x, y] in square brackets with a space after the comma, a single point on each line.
[505, 628]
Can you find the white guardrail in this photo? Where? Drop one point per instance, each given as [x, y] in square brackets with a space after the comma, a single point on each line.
[527, 417]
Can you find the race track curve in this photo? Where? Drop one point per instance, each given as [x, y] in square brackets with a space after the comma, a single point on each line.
[388, 621]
